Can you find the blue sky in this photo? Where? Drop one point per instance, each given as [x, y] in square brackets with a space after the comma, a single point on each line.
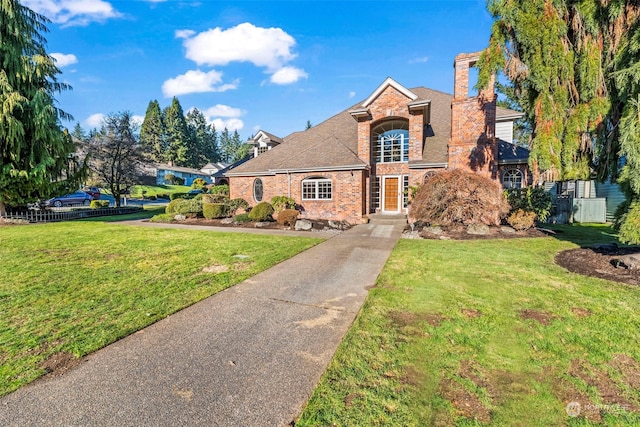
[252, 65]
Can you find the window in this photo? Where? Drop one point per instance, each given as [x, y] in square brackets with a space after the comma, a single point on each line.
[512, 178]
[375, 193]
[405, 191]
[257, 190]
[316, 189]
[390, 141]
[262, 150]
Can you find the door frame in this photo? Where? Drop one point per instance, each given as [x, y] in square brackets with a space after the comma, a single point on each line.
[383, 189]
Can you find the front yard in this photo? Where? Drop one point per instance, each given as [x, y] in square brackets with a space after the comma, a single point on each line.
[487, 333]
[70, 288]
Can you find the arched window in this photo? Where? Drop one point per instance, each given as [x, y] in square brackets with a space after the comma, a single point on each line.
[512, 178]
[316, 188]
[257, 190]
[390, 141]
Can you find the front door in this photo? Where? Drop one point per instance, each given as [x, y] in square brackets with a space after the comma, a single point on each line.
[391, 194]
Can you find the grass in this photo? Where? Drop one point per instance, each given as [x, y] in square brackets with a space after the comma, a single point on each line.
[72, 288]
[472, 333]
[148, 211]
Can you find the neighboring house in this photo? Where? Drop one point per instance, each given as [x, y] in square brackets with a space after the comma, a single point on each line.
[364, 159]
[188, 174]
[216, 172]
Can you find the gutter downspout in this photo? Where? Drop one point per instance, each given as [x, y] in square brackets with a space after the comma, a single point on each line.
[289, 184]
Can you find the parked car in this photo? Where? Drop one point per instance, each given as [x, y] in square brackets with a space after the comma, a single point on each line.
[94, 192]
[77, 198]
[195, 192]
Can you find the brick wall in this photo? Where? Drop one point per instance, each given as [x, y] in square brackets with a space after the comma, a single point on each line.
[347, 203]
[472, 145]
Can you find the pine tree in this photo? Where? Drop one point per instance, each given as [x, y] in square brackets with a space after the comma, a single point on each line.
[79, 133]
[226, 151]
[36, 157]
[177, 134]
[575, 63]
[232, 148]
[203, 146]
[152, 133]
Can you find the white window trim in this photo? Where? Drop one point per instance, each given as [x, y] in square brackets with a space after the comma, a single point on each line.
[315, 182]
[511, 171]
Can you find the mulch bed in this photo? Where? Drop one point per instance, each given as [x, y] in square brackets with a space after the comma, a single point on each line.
[599, 263]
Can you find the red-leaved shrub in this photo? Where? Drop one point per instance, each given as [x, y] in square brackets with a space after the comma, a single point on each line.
[459, 197]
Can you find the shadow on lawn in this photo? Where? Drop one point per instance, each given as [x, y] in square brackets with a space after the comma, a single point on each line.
[584, 235]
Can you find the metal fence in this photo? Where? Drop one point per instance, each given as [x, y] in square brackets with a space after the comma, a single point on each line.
[55, 215]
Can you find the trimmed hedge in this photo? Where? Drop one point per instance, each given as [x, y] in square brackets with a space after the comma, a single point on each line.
[242, 218]
[184, 206]
[281, 203]
[220, 189]
[236, 204]
[263, 211]
[98, 204]
[214, 210]
[174, 196]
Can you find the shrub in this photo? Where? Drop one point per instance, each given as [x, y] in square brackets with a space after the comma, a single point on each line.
[263, 211]
[199, 184]
[220, 189]
[236, 204]
[532, 199]
[214, 210]
[97, 204]
[459, 197]
[184, 207]
[281, 203]
[178, 180]
[175, 196]
[521, 220]
[287, 217]
[242, 218]
[162, 218]
[214, 198]
[628, 223]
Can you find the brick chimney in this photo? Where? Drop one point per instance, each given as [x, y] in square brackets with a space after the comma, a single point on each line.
[473, 121]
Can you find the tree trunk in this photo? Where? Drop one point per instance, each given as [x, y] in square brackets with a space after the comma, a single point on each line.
[3, 209]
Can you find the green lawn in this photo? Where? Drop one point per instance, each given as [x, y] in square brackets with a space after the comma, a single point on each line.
[154, 190]
[474, 333]
[70, 288]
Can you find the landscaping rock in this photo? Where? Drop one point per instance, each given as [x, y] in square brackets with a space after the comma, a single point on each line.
[179, 217]
[432, 230]
[303, 225]
[226, 221]
[479, 229]
[507, 230]
[411, 235]
[261, 224]
[628, 262]
[335, 224]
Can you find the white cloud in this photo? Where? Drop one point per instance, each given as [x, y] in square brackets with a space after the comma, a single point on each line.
[230, 124]
[64, 59]
[419, 60]
[73, 12]
[264, 47]
[94, 120]
[196, 81]
[288, 75]
[352, 94]
[220, 110]
[137, 119]
[184, 34]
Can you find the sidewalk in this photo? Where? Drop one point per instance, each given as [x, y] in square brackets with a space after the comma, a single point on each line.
[248, 356]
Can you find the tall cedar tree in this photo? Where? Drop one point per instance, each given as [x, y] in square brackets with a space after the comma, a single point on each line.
[576, 65]
[204, 139]
[116, 155]
[232, 148]
[177, 134]
[36, 157]
[152, 133]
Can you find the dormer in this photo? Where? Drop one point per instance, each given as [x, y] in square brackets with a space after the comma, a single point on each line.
[263, 142]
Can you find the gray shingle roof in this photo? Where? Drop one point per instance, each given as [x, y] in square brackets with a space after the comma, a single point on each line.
[333, 143]
[511, 153]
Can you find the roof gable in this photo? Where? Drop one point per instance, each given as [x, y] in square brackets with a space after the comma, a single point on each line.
[385, 84]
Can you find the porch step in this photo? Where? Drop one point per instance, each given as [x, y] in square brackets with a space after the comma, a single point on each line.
[387, 219]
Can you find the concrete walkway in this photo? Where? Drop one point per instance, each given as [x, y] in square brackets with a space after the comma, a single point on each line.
[248, 356]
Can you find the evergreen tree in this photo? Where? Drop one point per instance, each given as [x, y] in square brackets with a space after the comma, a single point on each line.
[308, 125]
[226, 151]
[177, 134]
[79, 133]
[152, 133]
[232, 148]
[36, 156]
[204, 145]
[575, 64]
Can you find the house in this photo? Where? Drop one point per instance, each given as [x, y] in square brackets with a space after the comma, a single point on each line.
[188, 174]
[364, 159]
